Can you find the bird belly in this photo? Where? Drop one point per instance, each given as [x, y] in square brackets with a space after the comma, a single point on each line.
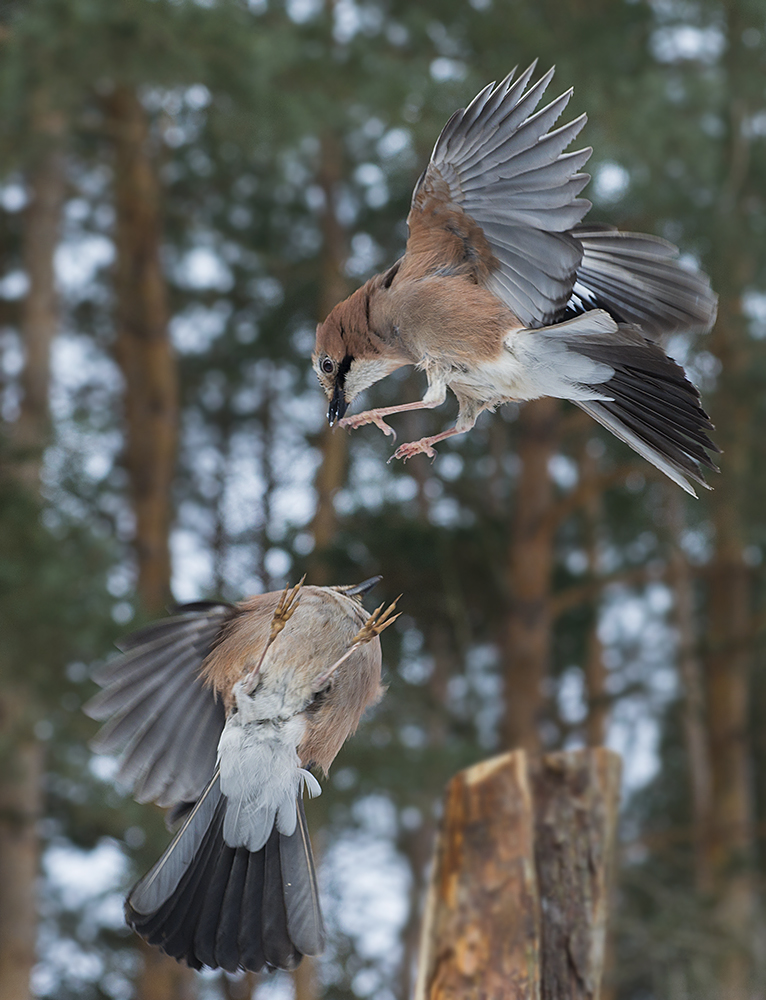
[535, 363]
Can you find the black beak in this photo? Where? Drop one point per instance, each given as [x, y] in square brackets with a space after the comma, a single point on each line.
[338, 404]
[364, 587]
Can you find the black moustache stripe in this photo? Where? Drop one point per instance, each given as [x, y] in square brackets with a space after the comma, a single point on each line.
[343, 367]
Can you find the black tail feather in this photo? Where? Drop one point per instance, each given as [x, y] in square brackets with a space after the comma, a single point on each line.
[250, 935]
[225, 935]
[278, 950]
[229, 909]
[652, 406]
[210, 911]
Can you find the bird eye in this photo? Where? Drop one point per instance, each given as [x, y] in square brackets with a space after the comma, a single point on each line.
[328, 366]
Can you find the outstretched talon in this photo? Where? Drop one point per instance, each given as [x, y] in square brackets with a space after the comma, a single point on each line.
[368, 417]
[284, 611]
[377, 622]
[412, 448]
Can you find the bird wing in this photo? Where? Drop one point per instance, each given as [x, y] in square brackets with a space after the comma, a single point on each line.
[498, 163]
[163, 719]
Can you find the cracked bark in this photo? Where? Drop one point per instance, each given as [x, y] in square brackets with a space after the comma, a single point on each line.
[518, 900]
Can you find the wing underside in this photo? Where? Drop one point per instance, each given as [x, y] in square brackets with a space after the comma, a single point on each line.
[162, 720]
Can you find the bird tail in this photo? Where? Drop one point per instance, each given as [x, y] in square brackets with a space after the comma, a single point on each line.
[208, 904]
[650, 405]
[638, 279]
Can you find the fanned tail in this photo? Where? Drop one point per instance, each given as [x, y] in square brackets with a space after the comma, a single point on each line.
[208, 904]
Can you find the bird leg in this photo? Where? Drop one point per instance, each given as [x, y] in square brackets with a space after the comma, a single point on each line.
[283, 612]
[376, 416]
[424, 445]
[378, 622]
[435, 395]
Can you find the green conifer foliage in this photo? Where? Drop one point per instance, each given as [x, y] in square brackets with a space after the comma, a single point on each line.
[240, 99]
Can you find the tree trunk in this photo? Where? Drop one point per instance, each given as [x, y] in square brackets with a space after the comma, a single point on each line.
[526, 640]
[20, 811]
[21, 798]
[333, 444]
[481, 930]
[690, 671]
[417, 844]
[730, 852]
[518, 898]
[595, 670]
[576, 798]
[150, 403]
[40, 312]
[143, 348]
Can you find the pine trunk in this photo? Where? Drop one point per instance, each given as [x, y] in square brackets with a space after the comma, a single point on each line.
[526, 639]
[40, 312]
[150, 403]
[21, 798]
[20, 812]
[595, 669]
[143, 347]
[519, 892]
[730, 850]
[333, 445]
[694, 715]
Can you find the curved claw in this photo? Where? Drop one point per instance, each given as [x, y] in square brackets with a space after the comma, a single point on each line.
[368, 417]
[412, 448]
[283, 612]
[378, 622]
[285, 609]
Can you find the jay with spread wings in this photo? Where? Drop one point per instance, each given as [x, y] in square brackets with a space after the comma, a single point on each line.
[504, 294]
[217, 713]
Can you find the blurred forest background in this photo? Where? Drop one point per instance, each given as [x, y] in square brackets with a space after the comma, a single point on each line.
[185, 189]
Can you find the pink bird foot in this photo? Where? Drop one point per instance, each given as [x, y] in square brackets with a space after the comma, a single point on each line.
[424, 446]
[412, 448]
[368, 417]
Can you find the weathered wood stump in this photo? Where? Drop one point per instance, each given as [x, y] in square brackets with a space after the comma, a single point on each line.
[518, 898]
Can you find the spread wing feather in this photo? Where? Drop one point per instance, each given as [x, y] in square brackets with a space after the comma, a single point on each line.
[155, 700]
[650, 405]
[505, 166]
[509, 173]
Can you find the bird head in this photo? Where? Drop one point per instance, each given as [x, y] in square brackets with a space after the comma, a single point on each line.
[352, 349]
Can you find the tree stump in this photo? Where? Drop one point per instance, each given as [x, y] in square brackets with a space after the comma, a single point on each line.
[518, 898]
